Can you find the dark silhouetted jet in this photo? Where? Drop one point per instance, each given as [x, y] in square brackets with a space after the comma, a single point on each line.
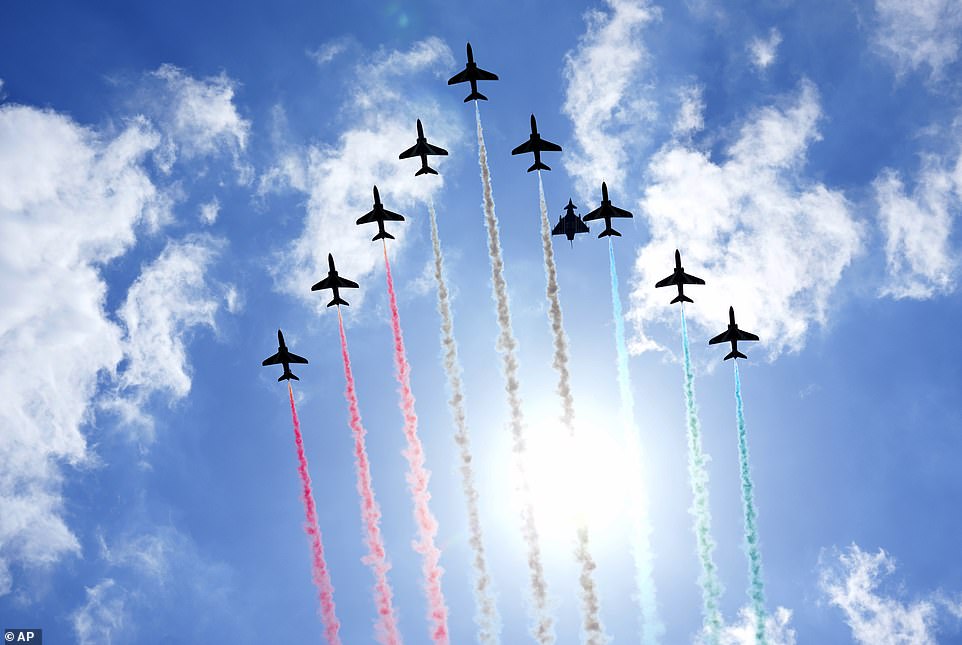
[380, 215]
[733, 334]
[536, 145]
[679, 278]
[606, 211]
[285, 358]
[569, 224]
[422, 149]
[472, 74]
[334, 282]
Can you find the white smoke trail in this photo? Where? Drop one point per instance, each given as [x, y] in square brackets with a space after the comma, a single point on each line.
[486, 618]
[594, 633]
[507, 345]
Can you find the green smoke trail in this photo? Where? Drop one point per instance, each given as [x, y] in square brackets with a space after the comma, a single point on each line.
[651, 627]
[711, 588]
[756, 589]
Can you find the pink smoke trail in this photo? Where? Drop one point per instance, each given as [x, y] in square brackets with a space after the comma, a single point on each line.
[417, 478]
[385, 630]
[322, 577]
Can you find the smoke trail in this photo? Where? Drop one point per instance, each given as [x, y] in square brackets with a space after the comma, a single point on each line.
[487, 618]
[543, 630]
[711, 588]
[417, 478]
[322, 578]
[594, 632]
[651, 627]
[756, 590]
[386, 630]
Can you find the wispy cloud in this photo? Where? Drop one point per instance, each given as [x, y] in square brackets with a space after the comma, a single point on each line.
[764, 50]
[852, 582]
[777, 629]
[691, 111]
[103, 616]
[767, 240]
[209, 211]
[329, 51]
[338, 178]
[605, 95]
[912, 34]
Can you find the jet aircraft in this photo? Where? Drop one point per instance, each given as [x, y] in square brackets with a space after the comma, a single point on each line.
[285, 358]
[334, 282]
[606, 211]
[472, 74]
[380, 215]
[733, 334]
[422, 149]
[679, 278]
[569, 224]
[536, 145]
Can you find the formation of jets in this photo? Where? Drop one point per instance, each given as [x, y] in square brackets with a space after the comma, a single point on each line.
[569, 224]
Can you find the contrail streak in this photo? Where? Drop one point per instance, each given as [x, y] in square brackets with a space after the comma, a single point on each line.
[321, 575]
[594, 631]
[543, 630]
[756, 590]
[711, 588]
[418, 477]
[652, 628]
[486, 618]
[386, 629]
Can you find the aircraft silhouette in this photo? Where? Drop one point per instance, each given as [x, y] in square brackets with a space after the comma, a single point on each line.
[606, 211]
[472, 74]
[679, 278]
[380, 215]
[334, 282]
[733, 334]
[536, 145]
[285, 358]
[569, 224]
[422, 149]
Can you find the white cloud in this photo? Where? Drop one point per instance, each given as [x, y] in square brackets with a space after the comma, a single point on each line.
[852, 584]
[210, 211]
[920, 262]
[691, 117]
[913, 33]
[766, 240]
[338, 178]
[103, 616]
[329, 51]
[763, 50]
[169, 298]
[605, 97]
[777, 630]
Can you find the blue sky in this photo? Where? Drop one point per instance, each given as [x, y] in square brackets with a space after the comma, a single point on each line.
[172, 178]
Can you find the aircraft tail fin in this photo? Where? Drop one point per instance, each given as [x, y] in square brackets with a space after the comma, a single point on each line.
[288, 376]
[382, 235]
[681, 298]
[609, 231]
[426, 170]
[338, 301]
[538, 166]
[735, 354]
[476, 96]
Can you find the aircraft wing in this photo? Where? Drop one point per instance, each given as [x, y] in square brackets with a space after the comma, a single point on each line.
[620, 212]
[549, 147]
[523, 148]
[485, 75]
[690, 279]
[461, 77]
[367, 219]
[723, 337]
[390, 216]
[559, 228]
[410, 152]
[580, 226]
[273, 360]
[593, 215]
[746, 335]
[294, 358]
[667, 282]
[344, 282]
[435, 150]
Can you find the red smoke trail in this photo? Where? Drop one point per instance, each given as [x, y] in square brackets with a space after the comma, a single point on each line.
[322, 577]
[386, 630]
[417, 478]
